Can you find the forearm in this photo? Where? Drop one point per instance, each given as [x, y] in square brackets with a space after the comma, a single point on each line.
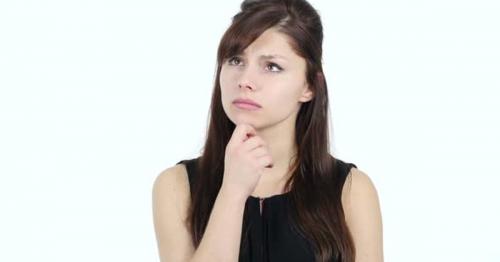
[221, 240]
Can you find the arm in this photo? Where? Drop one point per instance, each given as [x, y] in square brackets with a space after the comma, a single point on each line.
[171, 199]
[221, 241]
[170, 205]
[363, 216]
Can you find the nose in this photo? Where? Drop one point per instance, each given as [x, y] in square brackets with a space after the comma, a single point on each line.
[245, 84]
[244, 80]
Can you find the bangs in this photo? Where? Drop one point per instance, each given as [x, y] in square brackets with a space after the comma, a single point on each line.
[246, 27]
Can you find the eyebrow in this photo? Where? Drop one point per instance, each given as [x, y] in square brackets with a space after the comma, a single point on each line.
[271, 56]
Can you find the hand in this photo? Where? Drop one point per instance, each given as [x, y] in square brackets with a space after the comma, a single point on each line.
[246, 158]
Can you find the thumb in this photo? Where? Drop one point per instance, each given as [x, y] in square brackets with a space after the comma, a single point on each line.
[243, 131]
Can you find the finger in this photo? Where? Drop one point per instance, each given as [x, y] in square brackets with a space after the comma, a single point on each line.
[243, 131]
[252, 143]
[265, 161]
[260, 151]
[263, 152]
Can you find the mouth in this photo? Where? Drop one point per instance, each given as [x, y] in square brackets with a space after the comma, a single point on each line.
[246, 106]
[247, 103]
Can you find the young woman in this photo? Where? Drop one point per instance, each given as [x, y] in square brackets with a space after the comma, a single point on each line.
[266, 187]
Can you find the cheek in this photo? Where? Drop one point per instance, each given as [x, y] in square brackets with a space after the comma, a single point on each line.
[286, 91]
[225, 84]
[228, 79]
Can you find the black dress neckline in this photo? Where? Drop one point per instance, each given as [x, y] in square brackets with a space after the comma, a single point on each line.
[275, 196]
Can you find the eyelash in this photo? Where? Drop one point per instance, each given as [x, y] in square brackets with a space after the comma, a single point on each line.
[269, 64]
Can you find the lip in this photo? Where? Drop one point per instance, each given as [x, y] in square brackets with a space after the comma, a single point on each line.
[246, 103]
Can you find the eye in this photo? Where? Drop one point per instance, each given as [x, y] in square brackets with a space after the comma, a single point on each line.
[234, 58]
[271, 65]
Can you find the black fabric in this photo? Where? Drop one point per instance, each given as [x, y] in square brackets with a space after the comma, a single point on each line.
[269, 237]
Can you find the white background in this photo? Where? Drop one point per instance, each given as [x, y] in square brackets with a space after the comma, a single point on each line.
[98, 97]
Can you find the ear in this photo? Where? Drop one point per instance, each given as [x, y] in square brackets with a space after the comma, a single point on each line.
[307, 94]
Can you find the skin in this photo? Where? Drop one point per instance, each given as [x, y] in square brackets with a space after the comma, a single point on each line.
[280, 95]
[279, 85]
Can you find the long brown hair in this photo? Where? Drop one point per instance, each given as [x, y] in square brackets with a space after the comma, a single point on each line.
[315, 198]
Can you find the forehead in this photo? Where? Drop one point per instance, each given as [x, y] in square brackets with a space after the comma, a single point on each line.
[271, 42]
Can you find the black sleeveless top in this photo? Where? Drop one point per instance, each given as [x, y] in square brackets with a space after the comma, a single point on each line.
[270, 236]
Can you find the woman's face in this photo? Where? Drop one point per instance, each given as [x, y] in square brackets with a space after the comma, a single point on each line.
[278, 83]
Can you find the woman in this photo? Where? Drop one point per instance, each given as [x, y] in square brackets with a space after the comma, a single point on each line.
[266, 187]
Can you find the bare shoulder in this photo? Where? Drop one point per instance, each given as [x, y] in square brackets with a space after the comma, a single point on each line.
[173, 179]
[171, 189]
[171, 200]
[358, 182]
[361, 206]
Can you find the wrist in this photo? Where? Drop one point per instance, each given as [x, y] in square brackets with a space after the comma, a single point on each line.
[232, 196]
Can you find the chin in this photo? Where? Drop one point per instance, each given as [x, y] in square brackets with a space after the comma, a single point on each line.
[239, 118]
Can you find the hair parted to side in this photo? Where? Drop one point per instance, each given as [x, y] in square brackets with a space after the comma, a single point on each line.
[315, 197]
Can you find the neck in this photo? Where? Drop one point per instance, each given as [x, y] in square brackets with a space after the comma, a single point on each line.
[281, 143]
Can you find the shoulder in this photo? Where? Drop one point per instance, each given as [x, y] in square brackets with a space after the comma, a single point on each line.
[171, 201]
[358, 182]
[359, 192]
[171, 177]
[361, 206]
[171, 187]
